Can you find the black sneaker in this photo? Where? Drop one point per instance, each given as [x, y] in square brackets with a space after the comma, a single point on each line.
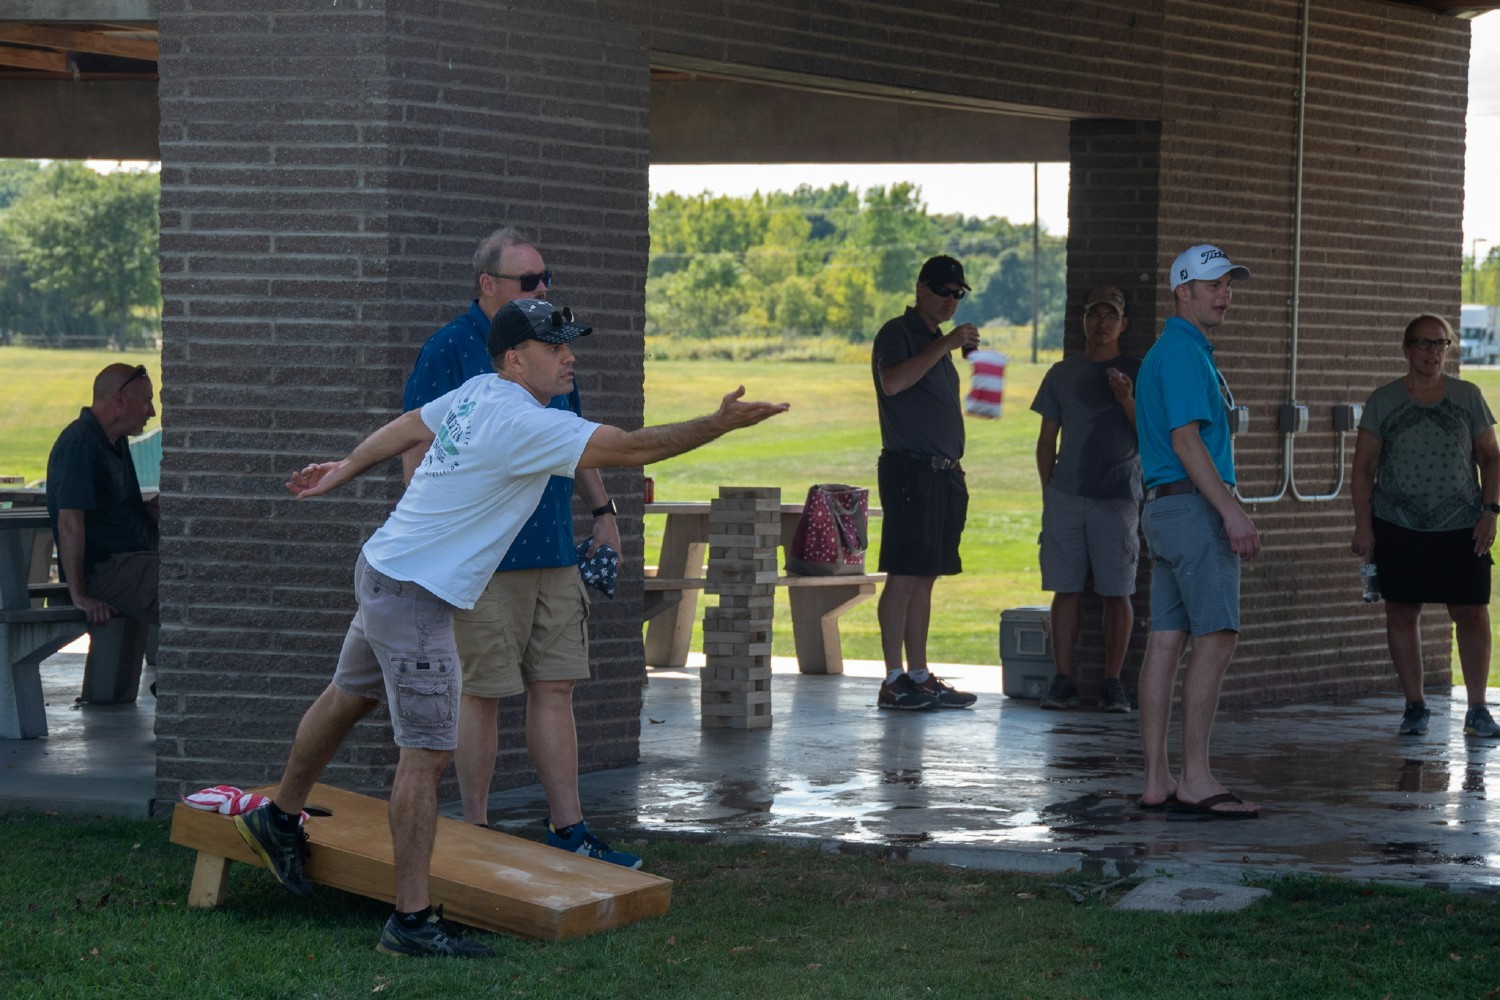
[1414, 719]
[282, 852]
[434, 938]
[947, 697]
[1062, 693]
[904, 694]
[1112, 697]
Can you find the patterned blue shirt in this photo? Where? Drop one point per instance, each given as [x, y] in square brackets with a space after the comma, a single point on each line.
[451, 357]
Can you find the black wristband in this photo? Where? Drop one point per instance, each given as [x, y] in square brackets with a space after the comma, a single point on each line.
[608, 508]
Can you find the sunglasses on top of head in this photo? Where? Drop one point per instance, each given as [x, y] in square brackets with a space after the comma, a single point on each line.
[947, 293]
[528, 281]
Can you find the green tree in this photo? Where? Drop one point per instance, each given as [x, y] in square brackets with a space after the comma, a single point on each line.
[88, 241]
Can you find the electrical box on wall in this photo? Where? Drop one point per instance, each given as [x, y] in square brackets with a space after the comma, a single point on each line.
[1239, 420]
[1291, 418]
[1346, 416]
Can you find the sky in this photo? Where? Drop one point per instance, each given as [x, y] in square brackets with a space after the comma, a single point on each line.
[1004, 189]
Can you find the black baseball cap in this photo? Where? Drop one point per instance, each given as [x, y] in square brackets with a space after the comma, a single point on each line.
[521, 320]
[942, 270]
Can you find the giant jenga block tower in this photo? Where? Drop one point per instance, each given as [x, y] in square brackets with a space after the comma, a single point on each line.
[744, 529]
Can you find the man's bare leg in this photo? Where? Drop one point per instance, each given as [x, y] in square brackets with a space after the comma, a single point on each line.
[1065, 624]
[892, 612]
[474, 760]
[1200, 702]
[552, 742]
[918, 623]
[413, 818]
[1118, 618]
[319, 735]
[1158, 675]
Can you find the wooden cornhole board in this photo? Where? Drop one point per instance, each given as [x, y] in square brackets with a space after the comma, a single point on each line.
[480, 877]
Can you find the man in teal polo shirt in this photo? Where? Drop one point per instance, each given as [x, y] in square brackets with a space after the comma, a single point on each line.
[1196, 531]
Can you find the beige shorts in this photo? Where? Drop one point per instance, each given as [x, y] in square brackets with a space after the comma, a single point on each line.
[528, 625]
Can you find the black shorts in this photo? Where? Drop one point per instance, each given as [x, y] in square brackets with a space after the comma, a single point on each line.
[1430, 567]
[922, 518]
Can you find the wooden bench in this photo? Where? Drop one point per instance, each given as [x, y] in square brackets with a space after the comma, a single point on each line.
[480, 877]
[671, 599]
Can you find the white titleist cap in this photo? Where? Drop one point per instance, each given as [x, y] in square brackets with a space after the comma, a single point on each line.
[1204, 263]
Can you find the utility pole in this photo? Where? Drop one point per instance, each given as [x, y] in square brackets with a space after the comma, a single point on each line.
[1036, 258]
[1474, 266]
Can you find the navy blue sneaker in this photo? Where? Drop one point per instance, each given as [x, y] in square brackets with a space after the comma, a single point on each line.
[903, 693]
[576, 839]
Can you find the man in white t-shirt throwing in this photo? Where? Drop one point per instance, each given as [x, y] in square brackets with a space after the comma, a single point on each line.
[492, 445]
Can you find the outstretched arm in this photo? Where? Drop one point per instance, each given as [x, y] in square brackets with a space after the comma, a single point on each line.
[406, 431]
[611, 446]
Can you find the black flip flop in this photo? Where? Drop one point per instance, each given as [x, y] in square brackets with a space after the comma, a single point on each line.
[1205, 807]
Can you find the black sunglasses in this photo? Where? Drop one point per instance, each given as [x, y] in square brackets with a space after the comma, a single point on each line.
[528, 281]
[947, 293]
[140, 372]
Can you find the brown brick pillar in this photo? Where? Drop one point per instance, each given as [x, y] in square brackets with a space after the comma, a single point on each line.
[325, 178]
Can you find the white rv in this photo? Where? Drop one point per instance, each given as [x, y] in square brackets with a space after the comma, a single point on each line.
[1479, 335]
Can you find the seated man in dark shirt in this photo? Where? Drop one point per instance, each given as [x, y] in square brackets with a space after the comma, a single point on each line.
[102, 526]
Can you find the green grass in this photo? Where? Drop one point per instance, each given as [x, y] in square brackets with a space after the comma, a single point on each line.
[830, 435]
[98, 908]
[45, 390]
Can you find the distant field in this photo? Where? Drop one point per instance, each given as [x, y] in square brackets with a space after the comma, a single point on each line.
[44, 390]
[830, 435]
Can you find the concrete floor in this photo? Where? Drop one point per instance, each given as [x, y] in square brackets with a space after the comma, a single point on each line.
[1003, 785]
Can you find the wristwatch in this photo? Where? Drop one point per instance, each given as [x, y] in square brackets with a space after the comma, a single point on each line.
[1490, 508]
[608, 508]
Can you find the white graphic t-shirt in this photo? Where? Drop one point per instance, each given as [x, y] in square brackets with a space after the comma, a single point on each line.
[494, 450]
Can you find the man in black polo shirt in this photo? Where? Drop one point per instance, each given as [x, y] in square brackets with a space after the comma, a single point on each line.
[921, 483]
[101, 524]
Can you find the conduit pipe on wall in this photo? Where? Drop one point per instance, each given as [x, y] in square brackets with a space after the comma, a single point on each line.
[1292, 416]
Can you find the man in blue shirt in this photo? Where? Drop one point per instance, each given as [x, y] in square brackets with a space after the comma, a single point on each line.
[529, 631]
[1197, 534]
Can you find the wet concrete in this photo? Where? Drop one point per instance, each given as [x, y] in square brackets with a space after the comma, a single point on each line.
[1004, 785]
[1007, 785]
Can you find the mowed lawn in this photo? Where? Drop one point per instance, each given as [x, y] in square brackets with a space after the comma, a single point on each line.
[44, 391]
[830, 435]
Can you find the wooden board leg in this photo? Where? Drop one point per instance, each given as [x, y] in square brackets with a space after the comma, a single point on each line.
[815, 624]
[210, 880]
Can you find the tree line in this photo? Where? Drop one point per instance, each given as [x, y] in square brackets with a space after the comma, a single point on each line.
[78, 256]
[833, 263]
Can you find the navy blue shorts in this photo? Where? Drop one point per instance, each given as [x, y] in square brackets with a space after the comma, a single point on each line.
[922, 516]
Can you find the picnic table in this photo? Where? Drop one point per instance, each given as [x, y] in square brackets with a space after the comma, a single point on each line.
[28, 635]
[671, 605]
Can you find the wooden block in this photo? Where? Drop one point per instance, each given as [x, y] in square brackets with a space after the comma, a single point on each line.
[750, 493]
[714, 685]
[711, 649]
[752, 599]
[482, 878]
[735, 703]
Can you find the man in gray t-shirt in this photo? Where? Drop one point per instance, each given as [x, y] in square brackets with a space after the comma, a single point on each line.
[1091, 492]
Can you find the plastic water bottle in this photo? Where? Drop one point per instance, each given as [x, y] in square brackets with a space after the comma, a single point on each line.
[1371, 582]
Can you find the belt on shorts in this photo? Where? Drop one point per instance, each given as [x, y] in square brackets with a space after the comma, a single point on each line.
[936, 463]
[1174, 489]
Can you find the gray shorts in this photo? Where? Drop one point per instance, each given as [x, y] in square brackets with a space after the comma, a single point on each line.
[400, 647]
[1080, 534]
[528, 625]
[128, 581]
[1195, 575]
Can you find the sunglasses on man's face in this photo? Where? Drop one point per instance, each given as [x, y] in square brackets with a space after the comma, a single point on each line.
[528, 281]
[947, 293]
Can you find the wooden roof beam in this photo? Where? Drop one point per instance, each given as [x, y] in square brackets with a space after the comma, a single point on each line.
[69, 40]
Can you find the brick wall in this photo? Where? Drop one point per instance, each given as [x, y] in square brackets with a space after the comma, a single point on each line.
[326, 175]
